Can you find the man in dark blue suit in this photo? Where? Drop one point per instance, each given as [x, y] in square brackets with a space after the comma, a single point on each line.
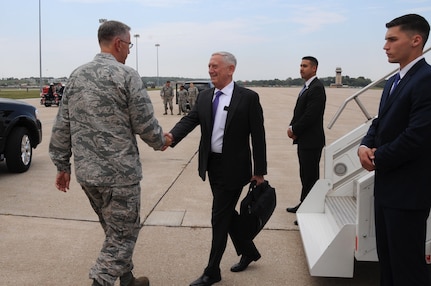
[225, 153]
[398, 147]
[306, 127]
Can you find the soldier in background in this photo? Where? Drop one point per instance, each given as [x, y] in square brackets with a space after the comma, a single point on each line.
[104, 105]
[167, 94]
[193, 94]
[182, 100]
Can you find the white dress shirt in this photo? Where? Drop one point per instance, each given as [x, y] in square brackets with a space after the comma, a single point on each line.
[220, 117]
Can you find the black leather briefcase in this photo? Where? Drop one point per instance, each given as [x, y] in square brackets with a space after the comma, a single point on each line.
[255, 210]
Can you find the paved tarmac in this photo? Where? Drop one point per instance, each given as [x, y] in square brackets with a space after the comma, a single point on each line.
[53, 238]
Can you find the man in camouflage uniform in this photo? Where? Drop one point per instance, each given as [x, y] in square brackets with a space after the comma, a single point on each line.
[167, 94]
[104, 105]
[193, 94]
[182, 100]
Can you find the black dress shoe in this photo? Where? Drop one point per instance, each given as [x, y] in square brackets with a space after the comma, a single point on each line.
[205, 280]
[295, 222]
[243, 263]
[293, 209]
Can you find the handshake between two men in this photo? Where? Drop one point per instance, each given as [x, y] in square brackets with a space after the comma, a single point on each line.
[169, 139]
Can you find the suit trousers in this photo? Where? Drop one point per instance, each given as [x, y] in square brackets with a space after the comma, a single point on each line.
[225, 199]
[309, 168]
[400, 240]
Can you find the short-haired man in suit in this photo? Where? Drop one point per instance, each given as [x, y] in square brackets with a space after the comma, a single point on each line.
[306, 127]
[397, 147]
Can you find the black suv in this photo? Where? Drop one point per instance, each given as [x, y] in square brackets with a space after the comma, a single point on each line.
[200, 84]
[20, 132]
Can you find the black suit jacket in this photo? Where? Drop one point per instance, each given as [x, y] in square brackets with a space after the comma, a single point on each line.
[244, 119]
[402, 135]
[307, 121]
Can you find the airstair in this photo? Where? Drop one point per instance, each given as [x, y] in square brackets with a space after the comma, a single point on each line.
[336, 220]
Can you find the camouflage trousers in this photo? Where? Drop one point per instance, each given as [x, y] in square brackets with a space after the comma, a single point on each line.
[192, 101]
[168, 101]
[182, 105]
[118, 211]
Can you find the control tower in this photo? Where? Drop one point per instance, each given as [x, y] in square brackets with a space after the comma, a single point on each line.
[338, 78]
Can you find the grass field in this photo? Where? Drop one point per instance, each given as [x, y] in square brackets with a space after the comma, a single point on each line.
[19, 93]
[24, 93]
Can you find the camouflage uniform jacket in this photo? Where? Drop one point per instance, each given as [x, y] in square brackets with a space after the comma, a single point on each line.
[167, 92]
[183, 95]
[104, 105]
[193, 92]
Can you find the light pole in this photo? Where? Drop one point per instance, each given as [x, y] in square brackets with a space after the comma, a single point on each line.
[136, 36]
[40, 49]
[157, 51]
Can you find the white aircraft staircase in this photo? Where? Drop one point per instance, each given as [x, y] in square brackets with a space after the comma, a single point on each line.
[336, 220]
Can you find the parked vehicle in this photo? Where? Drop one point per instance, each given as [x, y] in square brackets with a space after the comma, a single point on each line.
[200, 84]
[150, 84]
[20, 133]
[51, 94]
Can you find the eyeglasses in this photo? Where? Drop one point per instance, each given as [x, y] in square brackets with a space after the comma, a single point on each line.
[129, 43]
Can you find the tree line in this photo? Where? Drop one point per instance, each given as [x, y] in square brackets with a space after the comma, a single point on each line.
[327, 81]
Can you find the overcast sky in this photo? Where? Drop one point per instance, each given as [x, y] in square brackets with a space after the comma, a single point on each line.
[268, 37]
